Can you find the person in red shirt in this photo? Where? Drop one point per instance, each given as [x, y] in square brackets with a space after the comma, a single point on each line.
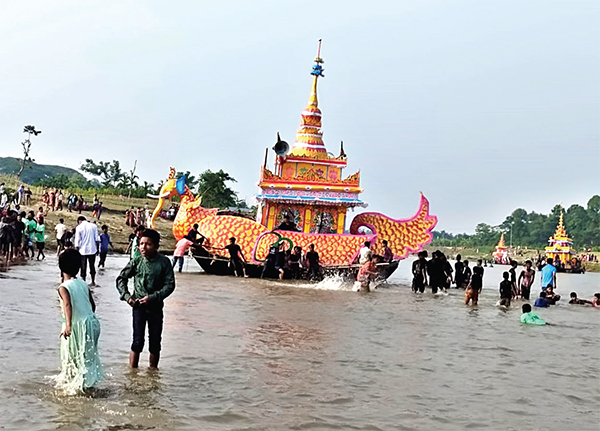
[367, 273]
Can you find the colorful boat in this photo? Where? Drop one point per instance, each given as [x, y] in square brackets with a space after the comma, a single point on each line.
[307, 184]
[501, 254]
[560, 249]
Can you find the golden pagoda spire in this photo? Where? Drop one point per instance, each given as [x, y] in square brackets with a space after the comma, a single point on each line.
[501, 243]
[560, 229]
[309, 138]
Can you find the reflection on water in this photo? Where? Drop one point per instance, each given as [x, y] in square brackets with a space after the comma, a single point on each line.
[257, 354]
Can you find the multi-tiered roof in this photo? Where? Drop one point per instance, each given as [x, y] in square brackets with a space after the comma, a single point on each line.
[560, 245]
[308, 175]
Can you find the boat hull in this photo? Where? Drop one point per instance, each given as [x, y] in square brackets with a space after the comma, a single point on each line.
[218, 266]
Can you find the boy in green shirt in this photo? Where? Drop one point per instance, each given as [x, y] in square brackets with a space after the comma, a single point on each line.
[153, 281]
[529, 317]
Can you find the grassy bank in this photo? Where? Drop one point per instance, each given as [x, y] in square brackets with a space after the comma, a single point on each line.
[113, 215]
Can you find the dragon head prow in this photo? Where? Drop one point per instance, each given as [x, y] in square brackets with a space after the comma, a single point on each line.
[171, 187]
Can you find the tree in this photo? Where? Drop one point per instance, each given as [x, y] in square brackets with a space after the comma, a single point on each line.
[109, 172]
[129, 180]
[214, 191]
[27, 147]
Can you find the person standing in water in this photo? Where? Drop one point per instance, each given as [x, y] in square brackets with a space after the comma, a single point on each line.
[153, 282]
[466, 274]
[81, 367]
[505, 290]
[312, 262]
[86, 241]
[548, 274]
[474, 287]
[368, 272]
[513, 279]
[419, 271]
[181, 249]
[104, 244]
[237, 260]
[459, 269]
[526, 278]
[434, 272]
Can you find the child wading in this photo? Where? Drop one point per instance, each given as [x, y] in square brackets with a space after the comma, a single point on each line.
[474, 287]
[153, 281]
[505, 290]
[81, 368]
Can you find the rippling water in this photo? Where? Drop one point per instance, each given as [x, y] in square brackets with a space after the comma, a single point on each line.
[242, 354]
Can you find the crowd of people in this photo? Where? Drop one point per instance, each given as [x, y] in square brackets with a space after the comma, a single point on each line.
[139, 216]
[22, 196]
[437, 273]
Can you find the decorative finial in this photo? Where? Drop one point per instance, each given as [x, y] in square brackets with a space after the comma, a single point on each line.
[317, 69]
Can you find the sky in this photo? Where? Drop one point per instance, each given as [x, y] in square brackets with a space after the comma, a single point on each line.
[484, 106]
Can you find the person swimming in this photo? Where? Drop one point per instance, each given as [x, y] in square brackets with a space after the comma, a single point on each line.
[575, 300]
[529, 317]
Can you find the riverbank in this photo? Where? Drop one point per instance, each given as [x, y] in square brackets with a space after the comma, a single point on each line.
[113, 215]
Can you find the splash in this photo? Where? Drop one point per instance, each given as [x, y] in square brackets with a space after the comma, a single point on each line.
[331, 282]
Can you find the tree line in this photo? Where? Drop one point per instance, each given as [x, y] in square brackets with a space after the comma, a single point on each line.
[531, 229]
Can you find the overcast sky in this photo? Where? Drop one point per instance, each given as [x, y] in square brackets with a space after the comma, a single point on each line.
[484, 105]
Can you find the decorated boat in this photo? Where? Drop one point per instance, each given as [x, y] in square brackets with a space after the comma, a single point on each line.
[501, 254]
[560, 249]
[307, 187]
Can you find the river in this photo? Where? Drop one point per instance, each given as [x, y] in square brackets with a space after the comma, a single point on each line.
[245, 354]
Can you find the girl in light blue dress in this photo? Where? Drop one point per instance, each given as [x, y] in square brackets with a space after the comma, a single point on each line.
[81, 368]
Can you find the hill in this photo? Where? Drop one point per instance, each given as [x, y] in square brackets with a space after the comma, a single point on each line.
[34, 171]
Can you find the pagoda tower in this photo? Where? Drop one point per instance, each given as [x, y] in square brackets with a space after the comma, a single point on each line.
[501, 253]
[560, 246]
[307, 182]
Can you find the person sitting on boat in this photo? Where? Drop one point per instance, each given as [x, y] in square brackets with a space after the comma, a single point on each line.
[388, 254]
[365, 254]
[312, 262]
[368, 272]
[236, 258]
[196, 237]
[288, 224]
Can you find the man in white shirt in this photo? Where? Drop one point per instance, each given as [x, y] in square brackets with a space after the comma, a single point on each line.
[86, 241]
[60, 229]
[365, 254]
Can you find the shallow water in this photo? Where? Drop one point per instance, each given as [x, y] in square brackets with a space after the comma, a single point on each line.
[241, 354]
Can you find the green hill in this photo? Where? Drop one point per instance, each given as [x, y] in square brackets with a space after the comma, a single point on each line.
[34, 171]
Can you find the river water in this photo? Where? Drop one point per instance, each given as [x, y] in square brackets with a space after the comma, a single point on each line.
[243, 354]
